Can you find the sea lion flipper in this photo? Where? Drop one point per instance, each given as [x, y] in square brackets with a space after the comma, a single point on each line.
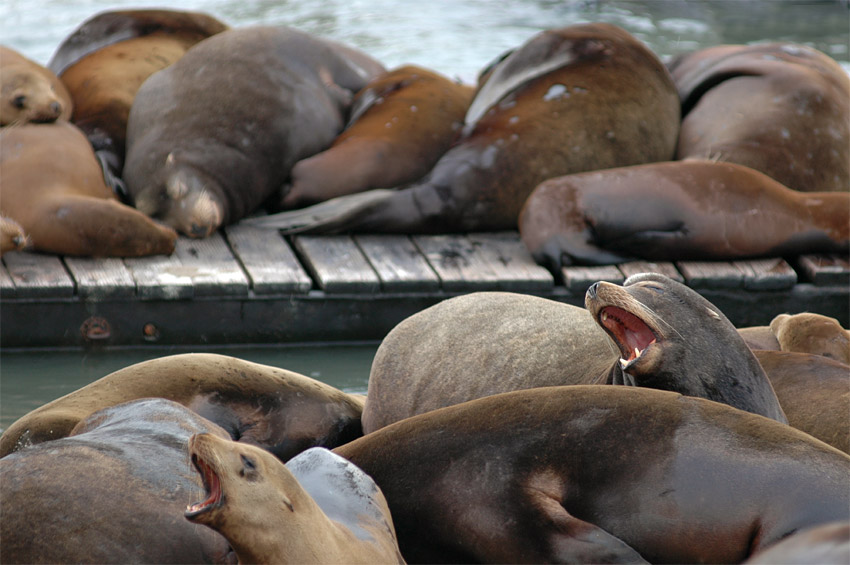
[565, 249]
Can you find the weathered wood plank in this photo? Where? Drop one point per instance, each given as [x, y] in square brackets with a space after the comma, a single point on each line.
[578, 279]
[268, 259]
[38, 276]
[826, 270]
[767, 274]
[337, 264]
[510, 260]
[160, 277]
[398, 262]
[666, 269]
[211, 265]
[458, 262]
[711, 274]
[7, 285]
[99, 279]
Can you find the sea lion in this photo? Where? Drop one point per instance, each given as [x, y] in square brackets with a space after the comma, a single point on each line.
[53, 187]
[278, 410]
[318, 508]
[579, 98]
[598, 474]
[12, 236]
[402, 122]
[683, 210]
[827, 544]
[29, 92]
[780, 108]
[805, 332]
[440, 356]
[214, 135]
[108, 57]
[113, 491]
[814, 392]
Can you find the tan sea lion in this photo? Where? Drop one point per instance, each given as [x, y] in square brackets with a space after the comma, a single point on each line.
[108, 57]
[691, 210]
[29, 92]
[318, 508]
[812, 333]
[214, 135]
[441, 356]
[113, 491]
[402, 122]
[12, 236]
[53, 187]
[827, 544]
[598, 474]
[278, 410]
[556, 105]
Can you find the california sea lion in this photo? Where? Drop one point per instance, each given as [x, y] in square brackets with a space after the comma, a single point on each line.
[827, 544]
[29, 92]
[108, 57]
[598, 474]
[278, 410]
[215, 134]
[579, 98]
[441, 356]
[805, 332]
[12, 236]
[691, 209]
[402, 122]
[111, 492]
[780, 108]
[318, 508]
[53, 187]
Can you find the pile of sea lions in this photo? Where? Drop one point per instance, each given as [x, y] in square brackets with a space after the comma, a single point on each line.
[642, 428]
[581, 138]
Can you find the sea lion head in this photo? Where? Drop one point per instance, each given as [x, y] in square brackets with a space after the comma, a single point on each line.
[808, 332]
[27, 96]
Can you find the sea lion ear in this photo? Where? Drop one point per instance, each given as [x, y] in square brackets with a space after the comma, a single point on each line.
[712, 313]
[288, 503]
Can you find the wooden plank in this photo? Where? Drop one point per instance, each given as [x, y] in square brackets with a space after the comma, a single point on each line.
[38, 276]
[161, 277]
[337, 264]
[514, 266]
[268, 260]
[826, 270]
[458, 262]
[211, 265]
[99, 279]
[399, 264]
[711, 274]
[7, 285]
[767, 274]
[578, 279]
[666, 269]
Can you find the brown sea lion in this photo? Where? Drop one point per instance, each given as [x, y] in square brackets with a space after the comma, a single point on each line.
[690, 210]
[441, 356]
[12, 236]
[598, 474]
[827, 544]
[278, 410]
[29, 92]
[214, 135]
[402, 122]
[108, 57]
[814, 392]
[111, 492]
[805, 332]
[780, 108]
[318, 508]
[53, 187]
[556, 105]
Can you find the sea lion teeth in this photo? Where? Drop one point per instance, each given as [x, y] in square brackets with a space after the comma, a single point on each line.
[623, 363]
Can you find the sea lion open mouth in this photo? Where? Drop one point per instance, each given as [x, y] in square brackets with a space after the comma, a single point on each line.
[629, 332]
[212, 485]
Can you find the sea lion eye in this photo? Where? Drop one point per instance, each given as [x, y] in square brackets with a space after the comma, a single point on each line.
[248, 463]
[657, 289]
[19, 101]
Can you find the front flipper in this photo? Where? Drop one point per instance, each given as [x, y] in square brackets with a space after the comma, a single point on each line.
[563, 250]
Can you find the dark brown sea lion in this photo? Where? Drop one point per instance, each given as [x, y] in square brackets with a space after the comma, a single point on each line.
[827, 544]
[805, 332]
[53, 187]
[278, 410]
[599, 474]
[29, 92]
[318, 508]
[12, 236]
[579, 98]
[814, 392]
[111, 492]
[691, 209]
[402, 122]
[780, 108]
[214, 135]
[441, 356]
[108, 57]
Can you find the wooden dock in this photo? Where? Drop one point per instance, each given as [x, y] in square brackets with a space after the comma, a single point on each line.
[250, 286]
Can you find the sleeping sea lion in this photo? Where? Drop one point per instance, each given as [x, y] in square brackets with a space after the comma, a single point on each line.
[29, 92]
[214, 135]
[318, 508]
[598, 474]
[805, 332]
[682, 210]
[579, 98]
